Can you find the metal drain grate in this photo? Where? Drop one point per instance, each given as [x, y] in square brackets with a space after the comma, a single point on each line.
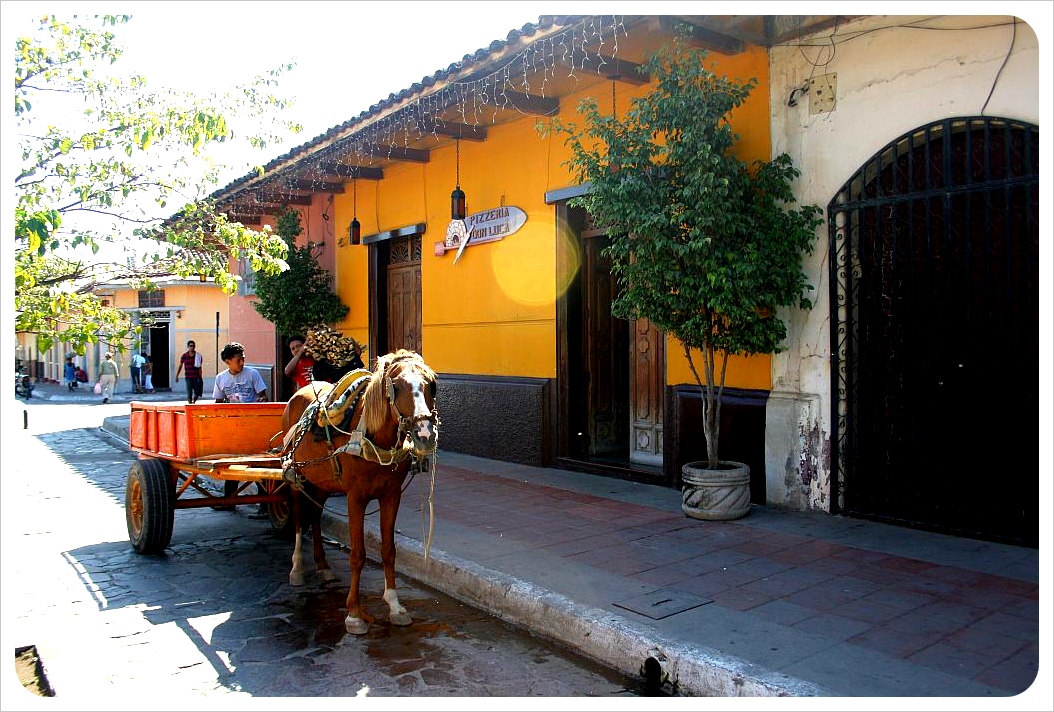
[662, 603]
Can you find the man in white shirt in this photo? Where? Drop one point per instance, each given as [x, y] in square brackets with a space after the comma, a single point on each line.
[138, 359]
[237, 384]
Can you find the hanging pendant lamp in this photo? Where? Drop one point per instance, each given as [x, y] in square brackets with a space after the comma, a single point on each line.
[457, 197]
[355, 229]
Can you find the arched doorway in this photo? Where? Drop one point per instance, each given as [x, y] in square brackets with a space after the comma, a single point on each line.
[935, 331]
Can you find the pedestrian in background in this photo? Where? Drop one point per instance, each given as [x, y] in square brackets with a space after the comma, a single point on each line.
[148, 374]
[70, 374]
[136, 369]
[190, 363]
[108, 376]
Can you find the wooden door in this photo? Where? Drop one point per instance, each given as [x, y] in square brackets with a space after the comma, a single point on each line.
[606, 357]
[647, 385]
[404, 297]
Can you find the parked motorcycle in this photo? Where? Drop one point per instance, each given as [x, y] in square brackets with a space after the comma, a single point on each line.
[23, 385]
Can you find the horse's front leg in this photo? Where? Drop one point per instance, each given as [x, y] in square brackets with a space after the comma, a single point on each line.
[296, 574]
[357, 621]
[321, 564]
[389, 509]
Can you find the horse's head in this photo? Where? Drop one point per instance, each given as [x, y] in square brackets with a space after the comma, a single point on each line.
[404, 387]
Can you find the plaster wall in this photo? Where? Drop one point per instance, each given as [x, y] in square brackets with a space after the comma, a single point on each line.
[894, 74]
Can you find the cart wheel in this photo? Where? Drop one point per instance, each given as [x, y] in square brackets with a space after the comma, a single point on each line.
[230, 488]
[281, 514]
[149, 506]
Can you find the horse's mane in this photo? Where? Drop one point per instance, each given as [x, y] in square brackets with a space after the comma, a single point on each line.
[375, 399]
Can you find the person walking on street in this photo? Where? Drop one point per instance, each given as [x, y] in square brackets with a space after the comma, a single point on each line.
[236, 384]
[70, 374]
[190, 364]
[109, 374]
[136, 369]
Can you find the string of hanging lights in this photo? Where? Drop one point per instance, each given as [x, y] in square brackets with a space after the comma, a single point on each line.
[520, 84]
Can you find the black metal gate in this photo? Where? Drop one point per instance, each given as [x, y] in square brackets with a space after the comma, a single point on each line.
[935, 332]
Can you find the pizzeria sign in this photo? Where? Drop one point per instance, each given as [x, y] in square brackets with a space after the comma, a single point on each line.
[477, 228]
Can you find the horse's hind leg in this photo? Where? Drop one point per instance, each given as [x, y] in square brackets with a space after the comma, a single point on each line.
[389, 509]
[357, 621]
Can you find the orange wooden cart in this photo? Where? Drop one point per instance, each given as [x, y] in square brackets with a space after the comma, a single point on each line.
[184, 448]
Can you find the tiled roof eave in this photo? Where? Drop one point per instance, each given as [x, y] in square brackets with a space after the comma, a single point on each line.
[471, 65]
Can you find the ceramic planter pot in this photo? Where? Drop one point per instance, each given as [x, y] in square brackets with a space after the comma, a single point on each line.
[723, 493]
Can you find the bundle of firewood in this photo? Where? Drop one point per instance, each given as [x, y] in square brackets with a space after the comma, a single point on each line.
[325, 344]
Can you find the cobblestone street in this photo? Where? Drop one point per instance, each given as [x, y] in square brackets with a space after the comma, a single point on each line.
[215, 618]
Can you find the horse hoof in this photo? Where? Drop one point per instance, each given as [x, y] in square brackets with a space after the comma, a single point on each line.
[401, 618]
[296, 579]
[327, 575]
[356, 626]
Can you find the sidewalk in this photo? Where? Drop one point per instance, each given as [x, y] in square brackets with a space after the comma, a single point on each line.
[123, 393]
[774, 604]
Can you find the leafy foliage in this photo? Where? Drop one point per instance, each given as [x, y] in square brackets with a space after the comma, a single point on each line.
[703, 245]
[102, 158]
[302, 296]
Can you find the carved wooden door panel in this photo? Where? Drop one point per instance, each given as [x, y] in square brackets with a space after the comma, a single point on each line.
[647, 385]
[404, 297]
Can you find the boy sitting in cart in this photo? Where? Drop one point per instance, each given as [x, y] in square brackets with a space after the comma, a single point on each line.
[237, 384]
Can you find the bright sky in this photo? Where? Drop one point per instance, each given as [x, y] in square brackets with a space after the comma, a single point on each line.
[348, 55]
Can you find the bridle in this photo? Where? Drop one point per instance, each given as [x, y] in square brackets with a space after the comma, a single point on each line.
[359, 443]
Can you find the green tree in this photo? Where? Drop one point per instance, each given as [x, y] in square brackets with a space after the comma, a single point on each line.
[302, 296]
[703, 245]
[103, 157]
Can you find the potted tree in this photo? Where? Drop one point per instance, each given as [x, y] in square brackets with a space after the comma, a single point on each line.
[705, 246]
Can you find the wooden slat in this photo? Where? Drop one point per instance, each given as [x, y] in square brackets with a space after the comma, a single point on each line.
[396, 153]
[312, 185]
[339, 169]
[455, 130]
[527, 103]
[606, 67]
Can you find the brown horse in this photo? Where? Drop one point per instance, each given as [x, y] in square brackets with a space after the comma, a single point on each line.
[359, 436]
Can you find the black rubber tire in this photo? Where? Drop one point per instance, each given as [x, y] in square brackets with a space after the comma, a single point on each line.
[149, 506]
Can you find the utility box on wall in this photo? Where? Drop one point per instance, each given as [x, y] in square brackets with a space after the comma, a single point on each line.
[823, 93]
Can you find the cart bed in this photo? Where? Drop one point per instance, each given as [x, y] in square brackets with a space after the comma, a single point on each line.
[190, 432]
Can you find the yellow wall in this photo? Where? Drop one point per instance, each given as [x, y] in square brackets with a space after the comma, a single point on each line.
[494, 312]
[197, 304]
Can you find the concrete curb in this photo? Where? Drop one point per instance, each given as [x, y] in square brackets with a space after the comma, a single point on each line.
[596, 634]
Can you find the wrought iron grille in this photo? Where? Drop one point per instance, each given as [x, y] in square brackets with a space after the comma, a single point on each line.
[934, 286]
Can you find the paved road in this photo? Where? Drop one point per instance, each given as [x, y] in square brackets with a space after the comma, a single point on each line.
[215, 619]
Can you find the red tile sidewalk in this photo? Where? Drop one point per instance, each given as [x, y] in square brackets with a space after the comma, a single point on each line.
[962, 622]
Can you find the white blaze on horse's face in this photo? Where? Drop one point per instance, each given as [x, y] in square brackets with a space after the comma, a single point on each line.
[422, 427]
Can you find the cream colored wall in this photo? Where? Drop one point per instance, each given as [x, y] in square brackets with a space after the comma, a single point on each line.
[890, 79]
